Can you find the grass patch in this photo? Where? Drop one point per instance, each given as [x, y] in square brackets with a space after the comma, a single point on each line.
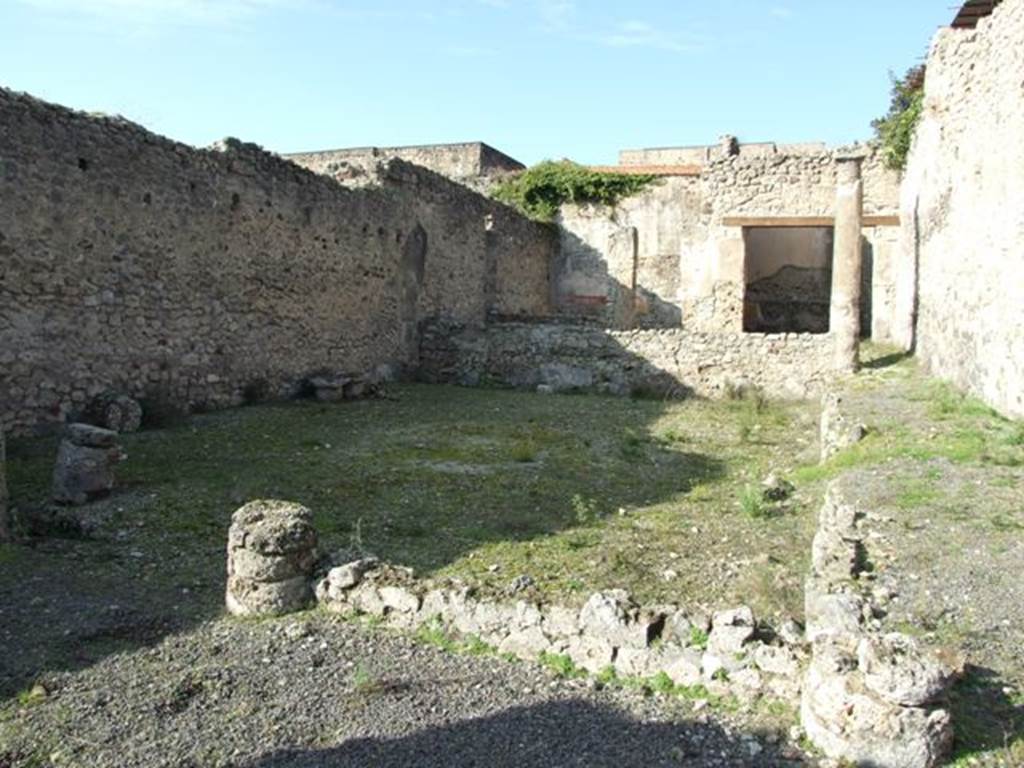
[366, 684]
[698, 638]
[561, 665]
[915, 494]
[524, 452]
[752, 503]
[432, 633]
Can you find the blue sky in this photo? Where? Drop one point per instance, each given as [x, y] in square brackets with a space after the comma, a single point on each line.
[535, 78]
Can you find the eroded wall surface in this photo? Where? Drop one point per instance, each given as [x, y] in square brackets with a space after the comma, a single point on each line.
[131, 262]
[661, 362]
[963, 210]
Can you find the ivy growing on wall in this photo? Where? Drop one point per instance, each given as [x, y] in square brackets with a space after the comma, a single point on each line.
[896, 129]
[541, 190]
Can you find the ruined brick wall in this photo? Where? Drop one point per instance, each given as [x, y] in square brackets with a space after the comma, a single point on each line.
[670, 361]
[484, 258]
[460, 162]
[522, 254]
[689, 260]
[132, 262]
[963, 210]
[699, 155]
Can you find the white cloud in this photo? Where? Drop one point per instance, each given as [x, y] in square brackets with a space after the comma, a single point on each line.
[556, 14]
[203, 12]
[642, 34]
[781, 12]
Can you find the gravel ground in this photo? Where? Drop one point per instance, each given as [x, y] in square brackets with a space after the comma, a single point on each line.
[319, 691]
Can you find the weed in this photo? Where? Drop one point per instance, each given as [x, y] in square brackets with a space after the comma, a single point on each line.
[661, 683]
[31, 697]
[584, 510]
[1006, 524]
[608, 676]
[474, 646]
[702, 493]
[433, 634]
[1015, 435]
[747, 393]
[632, 447]
[674, 437]
[752, 503]
[365, 683]
[698, 638]
[355, 539]
[561, 665]
[524, 452]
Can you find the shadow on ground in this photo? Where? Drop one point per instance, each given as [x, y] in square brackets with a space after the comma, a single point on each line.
[550, 735]
[985, 718]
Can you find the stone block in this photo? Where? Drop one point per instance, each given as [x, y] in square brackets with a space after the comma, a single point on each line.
[114, 411]
[272, 551]
[731, 630]
[591, 653]
[85, 464]
[525, 643]
[614, 617]
[897, 669]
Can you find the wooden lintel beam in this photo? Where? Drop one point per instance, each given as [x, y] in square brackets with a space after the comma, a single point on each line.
[805, 221]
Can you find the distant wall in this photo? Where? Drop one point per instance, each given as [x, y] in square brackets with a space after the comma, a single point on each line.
[963, 209]
[132, 262]
[487, 258]
[705, 154]
[690, 261]
[460, 162]
[662, 362]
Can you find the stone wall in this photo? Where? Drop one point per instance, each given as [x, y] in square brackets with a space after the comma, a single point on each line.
[689, 264]
[869, 697]
[667, 362]
[132, 262]
[486, 258]
[703, 154]
[471, 163]
[5, 518]
[727, 652]
[963, 210]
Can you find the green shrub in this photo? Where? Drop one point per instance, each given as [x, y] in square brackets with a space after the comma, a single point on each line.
[896, 129]
[540, 191]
